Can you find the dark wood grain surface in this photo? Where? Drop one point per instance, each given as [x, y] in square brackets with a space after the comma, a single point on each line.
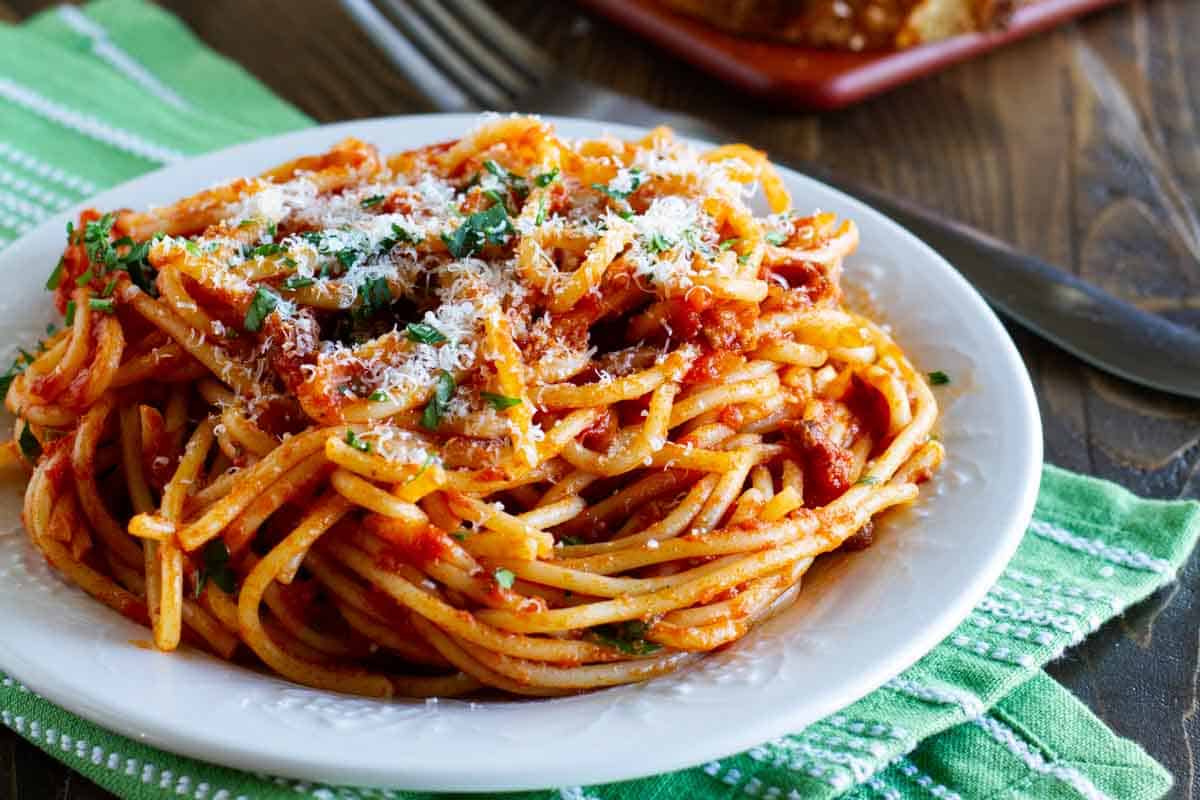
[1082, 146]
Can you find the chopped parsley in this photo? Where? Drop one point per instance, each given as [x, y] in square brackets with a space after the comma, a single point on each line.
[776, 238]
[504, 577]
[216, 568]
[399, 236]
[495, 197]
[541, 212]
[500, 402]
[56, 276]
[513, 181]
[866, 480]
[297, 282]
[373, 200]
[483, 227]
[358, 444]
[261, 306]
[96, 242]
[424, 334]
[375, 295]
[264, 250]
[379, 396]
[136, 262]
[627, 637]
[546, 178]
[939, 378]
[443, 391]
[460, 535]
[728, 243]
[31, 448]
[348, 257]
[104, 304]
[657, 243]
[623, 188]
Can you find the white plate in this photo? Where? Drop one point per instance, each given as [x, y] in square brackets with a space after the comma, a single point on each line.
[860, 620]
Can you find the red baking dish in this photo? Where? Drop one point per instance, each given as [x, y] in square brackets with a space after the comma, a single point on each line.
[808, 77]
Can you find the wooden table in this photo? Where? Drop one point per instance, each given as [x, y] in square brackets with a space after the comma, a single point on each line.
[1082, 146]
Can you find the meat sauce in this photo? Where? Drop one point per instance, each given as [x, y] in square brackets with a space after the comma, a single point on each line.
[416, 549]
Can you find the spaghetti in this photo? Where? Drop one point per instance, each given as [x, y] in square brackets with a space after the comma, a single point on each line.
[509, 411]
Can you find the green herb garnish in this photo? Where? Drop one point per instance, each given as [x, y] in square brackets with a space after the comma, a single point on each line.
[297, 282]
[136, 262]
[938, 378]
[546, 178]
[373, 200]
[443, 391]
[627, 637]
[379, 396]
[657, 243]
[480, 228]
[348, 257]
[500, 402]
[216, 568]
[866, 480]
[56, 276]
[357, 443]
[504, 577]
[69, 319]
[510, 179]
[261, 306]
[636, 179]
[99, 247]
[776, 238]
[374, 294]
[264, 250]
[103, 304]
[424, 334]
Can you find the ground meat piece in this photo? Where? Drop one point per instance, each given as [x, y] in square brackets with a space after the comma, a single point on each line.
[827, 465]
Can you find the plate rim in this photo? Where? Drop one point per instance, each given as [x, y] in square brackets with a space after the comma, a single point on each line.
[166, 735]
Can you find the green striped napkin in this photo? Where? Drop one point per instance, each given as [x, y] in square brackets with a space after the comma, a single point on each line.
[976, 718]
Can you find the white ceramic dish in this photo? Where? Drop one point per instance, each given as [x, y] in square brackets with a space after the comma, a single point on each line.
[860, 620]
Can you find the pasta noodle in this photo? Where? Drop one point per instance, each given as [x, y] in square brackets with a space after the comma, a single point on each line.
[508, 413]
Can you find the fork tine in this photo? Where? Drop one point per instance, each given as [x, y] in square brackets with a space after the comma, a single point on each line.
[469, 77]
[442, 93]
[468, 42]
[507, 40]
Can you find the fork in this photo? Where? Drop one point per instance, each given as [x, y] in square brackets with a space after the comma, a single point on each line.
[462, 56]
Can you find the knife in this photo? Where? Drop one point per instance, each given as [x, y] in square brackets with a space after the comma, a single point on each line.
[1096, 327]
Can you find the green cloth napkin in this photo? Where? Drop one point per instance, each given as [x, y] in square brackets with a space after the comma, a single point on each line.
[132, 89]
